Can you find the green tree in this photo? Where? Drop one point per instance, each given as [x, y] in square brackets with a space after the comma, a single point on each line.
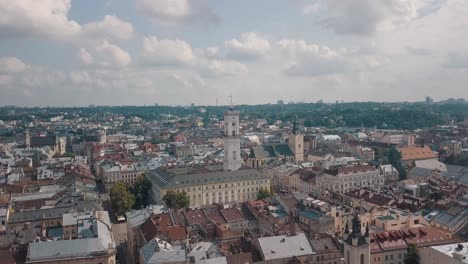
[263, 193]
[140, 191]
[176, 200]
[121, 198]
[412, 256]
[394, 158]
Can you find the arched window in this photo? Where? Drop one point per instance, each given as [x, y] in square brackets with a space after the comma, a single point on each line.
[362, 258]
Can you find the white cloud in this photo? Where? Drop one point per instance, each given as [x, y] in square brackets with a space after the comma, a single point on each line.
[40, 18]
[165, 9]
[312, 59]
[179, 53]
[188, 80]
[365, 17]
[176, 11]
[85, 57]
[457, 61]
[211, 52]
[50, 19]
[109, 27]
[166, 52]
[80, 77]
[250, 47]
[12, 65]
[105, 55]
[311, 8]
[219, 68]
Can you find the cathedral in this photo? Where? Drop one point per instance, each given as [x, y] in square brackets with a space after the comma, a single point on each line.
[293, 151]
[356, 245]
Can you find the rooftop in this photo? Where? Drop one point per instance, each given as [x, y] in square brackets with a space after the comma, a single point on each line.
[452, 250]
[193, 176]
[416, 153]
[102, 242]
[279, 247]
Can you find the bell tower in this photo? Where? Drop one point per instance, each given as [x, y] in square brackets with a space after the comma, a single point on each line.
[296, 144]
[27, 139]
[357, 245]
[232, 159]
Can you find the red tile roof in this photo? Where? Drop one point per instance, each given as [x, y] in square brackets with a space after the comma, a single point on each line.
[416, 153]
[196, 217]
[232, 215]
[400, 239]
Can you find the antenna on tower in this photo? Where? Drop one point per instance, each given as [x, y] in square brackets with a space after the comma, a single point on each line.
[232, 104]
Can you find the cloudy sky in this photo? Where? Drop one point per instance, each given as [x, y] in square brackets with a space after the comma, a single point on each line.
[178, 52]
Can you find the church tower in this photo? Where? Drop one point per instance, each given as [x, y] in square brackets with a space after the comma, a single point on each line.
[232, 159]
[296, 144]
[27, 139]
[357, 245]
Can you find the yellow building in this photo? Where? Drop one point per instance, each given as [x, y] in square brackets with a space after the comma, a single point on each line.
[208, 185]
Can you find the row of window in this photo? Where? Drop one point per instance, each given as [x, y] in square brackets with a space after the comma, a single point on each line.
[220, 186]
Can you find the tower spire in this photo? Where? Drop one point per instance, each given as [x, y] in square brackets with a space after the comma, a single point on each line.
[232, 104]
[294, 130]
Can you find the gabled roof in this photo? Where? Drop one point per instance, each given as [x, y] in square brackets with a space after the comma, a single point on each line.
[43, 141]
[263, 151]
[416, 153]
[270, 151]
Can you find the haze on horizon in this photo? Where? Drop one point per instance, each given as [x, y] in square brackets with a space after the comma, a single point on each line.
[178, 52]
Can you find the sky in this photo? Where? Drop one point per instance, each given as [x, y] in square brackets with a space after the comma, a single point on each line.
[179, 52]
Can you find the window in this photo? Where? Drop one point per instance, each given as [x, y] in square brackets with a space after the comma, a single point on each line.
[234, 155]
[233, 124]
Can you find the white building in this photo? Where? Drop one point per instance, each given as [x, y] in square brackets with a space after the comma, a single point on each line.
[113, 171]
[44, 173]
[450, 254]
[347, 178]
[283, 249]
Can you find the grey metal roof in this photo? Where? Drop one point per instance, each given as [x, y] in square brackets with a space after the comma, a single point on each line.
[457, 173]
[280, 247]
[153, 254]
[43, 141]
[103, 243]
[452, 216]
[51, 213]
[65, 249]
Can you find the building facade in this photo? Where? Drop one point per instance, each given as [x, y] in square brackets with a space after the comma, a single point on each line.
[208, 185]
[346, 178]
[232, 159]
[357, 245]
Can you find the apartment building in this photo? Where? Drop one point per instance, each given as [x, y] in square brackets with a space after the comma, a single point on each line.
[346, 178]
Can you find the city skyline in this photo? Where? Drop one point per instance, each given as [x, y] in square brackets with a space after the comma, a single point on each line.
[77, 53]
